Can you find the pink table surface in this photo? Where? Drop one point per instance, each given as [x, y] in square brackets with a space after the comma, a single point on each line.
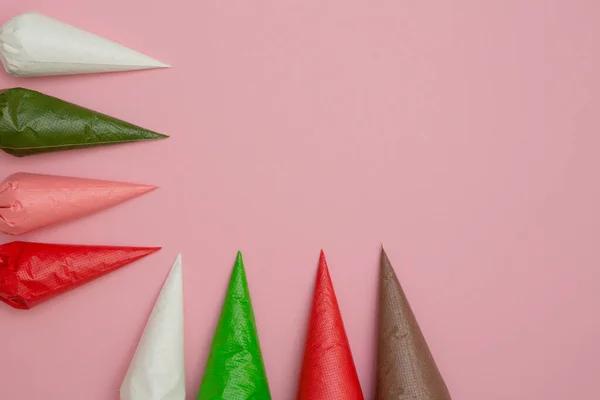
[464, 135]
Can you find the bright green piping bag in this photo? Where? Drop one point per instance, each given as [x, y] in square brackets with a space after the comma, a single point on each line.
[235, 368]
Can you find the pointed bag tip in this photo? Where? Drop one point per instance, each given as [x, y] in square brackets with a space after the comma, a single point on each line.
[133, 190]
[146, 251]
[143, 189]
[322, 260]
[239, 270]
[151, 136]
[239, 264]
[177, 265]
[385, 266]
[323, 270]
[383, 255]
[153, 63]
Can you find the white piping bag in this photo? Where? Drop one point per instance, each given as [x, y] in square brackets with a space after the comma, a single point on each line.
[157, 371]
[33, 44]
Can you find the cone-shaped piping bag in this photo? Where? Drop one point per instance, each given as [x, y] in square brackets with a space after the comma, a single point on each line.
[157, 371]
[31, 201]
[328, 371]
[405, 367]
[33, 123]
[33, 44]
[31, 273]
[235, 368]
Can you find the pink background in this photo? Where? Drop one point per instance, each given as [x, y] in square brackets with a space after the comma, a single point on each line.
[461, 134]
